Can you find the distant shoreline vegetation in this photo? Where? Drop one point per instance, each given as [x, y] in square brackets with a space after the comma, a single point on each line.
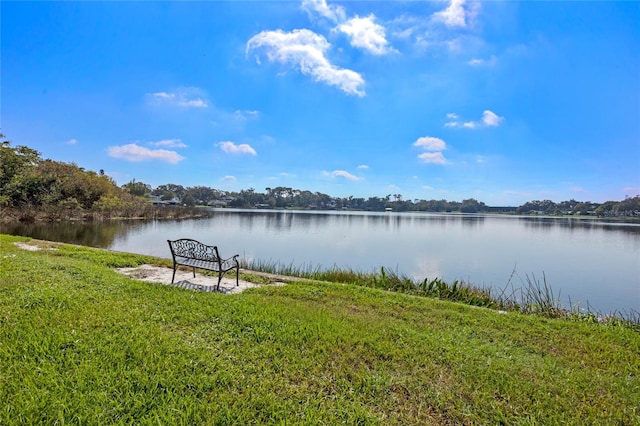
[33, 189]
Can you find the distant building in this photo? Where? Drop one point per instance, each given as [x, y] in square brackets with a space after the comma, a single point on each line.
[156, 200]
[499, 209]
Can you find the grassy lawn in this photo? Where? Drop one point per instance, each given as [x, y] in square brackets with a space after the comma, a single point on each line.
[82, 344]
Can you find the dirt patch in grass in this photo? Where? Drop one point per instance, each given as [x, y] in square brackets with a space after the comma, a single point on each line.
[37, 245]
[186, 280]
[162, 275]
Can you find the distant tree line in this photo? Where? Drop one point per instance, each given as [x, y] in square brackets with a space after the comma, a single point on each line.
[63, 190]
[289, 198]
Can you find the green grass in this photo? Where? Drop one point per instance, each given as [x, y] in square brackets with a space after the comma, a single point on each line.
[533, 296]
[385, 279]
[82, 344]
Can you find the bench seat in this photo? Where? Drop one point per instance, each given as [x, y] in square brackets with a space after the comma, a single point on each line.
[194, 254]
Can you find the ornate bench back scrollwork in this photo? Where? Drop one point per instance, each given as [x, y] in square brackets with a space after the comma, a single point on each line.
[195, 254]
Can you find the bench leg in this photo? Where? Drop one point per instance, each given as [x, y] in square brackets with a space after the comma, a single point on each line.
[194, 272]
[174, 273]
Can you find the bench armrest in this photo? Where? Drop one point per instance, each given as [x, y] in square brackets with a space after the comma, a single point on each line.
[231, 262]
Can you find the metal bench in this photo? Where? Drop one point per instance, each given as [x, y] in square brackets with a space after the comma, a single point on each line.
[192, 253]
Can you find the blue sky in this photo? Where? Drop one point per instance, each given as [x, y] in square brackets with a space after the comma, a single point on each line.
[502, 101]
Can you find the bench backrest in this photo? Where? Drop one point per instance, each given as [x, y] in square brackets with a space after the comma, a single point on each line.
[193, 249]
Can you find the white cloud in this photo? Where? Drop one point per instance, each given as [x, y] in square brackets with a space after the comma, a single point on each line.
[433, 158]
[305, 51]
[232, 148]
[366, 34]
[456, 15]
[71, 142]
[363, 167]
[479, 62]
[452, 43]
[243, 115]
[134, 152]
[342, 174]
[187, 97]
[169, 143]
[196, 103]
[427, 187]
[435, 146]
[230, 179]
[450, 31]
[491, 119]
[164, 96]
[631, 190]
[333, 13]
[430, 143]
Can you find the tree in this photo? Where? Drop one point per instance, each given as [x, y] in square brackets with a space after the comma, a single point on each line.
[472, 206]
[28, 181]
[567, 206]
[537, 206]
[584, 208]
[606, 209]
[167, 195]
[375, 203]
[139, 189]
[188, 200]
[109, 205]
[67, 180]
[177, 190]
[14, 161]
[202, 195]
[628, 207]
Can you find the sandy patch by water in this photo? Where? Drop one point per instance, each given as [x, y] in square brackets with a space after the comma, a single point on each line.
[185, 279]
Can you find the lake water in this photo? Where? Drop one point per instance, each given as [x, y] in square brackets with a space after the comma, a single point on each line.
[586, 260]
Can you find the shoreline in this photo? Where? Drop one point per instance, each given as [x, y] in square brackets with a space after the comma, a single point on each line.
[15, 216]
[536, 297]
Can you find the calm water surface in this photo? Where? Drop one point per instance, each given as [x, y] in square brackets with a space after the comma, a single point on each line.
[587, 260]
